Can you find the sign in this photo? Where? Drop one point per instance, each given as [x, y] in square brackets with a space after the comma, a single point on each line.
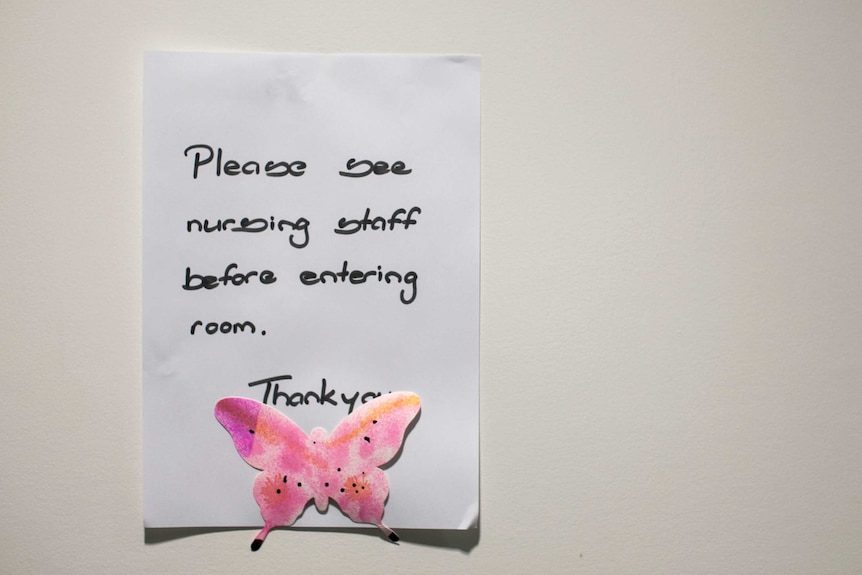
[311, 241]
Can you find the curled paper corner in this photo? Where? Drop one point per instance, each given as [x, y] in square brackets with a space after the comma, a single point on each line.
[471, 517]
[296, 468]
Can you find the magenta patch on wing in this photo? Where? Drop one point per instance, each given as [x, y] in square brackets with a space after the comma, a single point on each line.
[239, 416]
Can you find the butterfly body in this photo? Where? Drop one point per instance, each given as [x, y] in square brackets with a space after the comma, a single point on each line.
[297, 468]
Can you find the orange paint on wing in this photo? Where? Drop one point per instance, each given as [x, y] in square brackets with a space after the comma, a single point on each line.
[275, 491]
[378, 413]
[356, 486]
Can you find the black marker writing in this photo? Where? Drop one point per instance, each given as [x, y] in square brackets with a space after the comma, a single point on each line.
[254, 226]
[346, 226]
[272, 394]
[360, 277]
[195, 281]
[224, 327]
[204, 154]
[366, 397]
[379, 168]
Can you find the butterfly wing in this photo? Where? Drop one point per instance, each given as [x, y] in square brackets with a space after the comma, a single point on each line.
[268, 440]
[373, 433]
[366, 439]
[263, 436]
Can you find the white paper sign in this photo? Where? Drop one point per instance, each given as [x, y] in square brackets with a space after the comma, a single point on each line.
[311, 240]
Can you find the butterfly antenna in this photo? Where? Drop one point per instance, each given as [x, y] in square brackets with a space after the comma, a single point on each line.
[391, 535]
[258, 540]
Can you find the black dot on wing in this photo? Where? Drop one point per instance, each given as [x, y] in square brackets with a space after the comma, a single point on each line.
[342, 490]
[278, 490]
[284, 479]
[375, 421]
[299, 484]
[368, 439]
[339, 469]
[251, 431]
[354, 485]
[326, 484]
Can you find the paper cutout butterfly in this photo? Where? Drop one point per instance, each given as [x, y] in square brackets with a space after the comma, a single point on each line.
[296, 468]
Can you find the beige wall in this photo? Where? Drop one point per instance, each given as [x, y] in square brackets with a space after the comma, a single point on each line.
[671, 297]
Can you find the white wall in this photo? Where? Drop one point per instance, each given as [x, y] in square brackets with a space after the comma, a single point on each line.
[671, 300]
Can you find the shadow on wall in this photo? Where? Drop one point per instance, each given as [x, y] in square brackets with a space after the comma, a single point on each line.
[462, 540]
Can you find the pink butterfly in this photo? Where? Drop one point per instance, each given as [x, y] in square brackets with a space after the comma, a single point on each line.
[296, 468]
